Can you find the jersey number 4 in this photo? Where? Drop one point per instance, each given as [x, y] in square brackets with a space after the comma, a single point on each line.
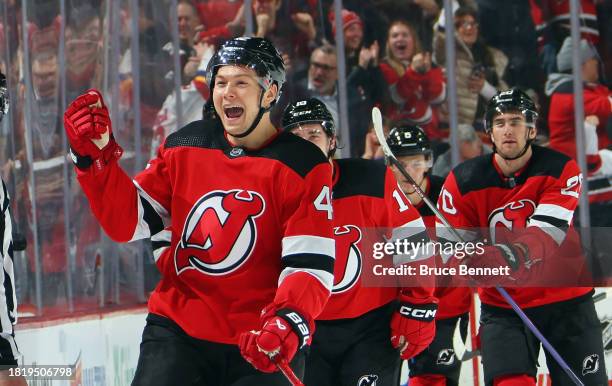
[323, 202]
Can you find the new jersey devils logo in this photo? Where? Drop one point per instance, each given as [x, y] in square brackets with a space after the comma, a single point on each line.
[368, 380]
[590, 364]
[446, 357]
[219, 232]
[348, 257]
[512, 215]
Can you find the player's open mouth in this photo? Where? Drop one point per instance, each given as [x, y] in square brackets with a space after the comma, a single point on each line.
[233, 112]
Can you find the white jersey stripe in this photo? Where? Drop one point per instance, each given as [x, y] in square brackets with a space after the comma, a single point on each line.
[143, 230]
[557, 234]
[293, 245]
[326, 278]
[554, 211]
[407, 230]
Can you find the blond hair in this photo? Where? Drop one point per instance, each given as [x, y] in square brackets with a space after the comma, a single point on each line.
[392, 60]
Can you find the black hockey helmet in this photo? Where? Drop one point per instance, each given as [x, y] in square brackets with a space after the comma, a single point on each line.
[406, 139]
[513, 100]
[311, 110]
[4, 102]
[256, 53]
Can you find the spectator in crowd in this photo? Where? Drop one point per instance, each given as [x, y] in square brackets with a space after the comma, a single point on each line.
[155, 70]
[597, 110]
[373, 150]
[83, 37]
[320, 82]
[188, 21]
[559, 87]
[220, 19]
[470, 146]
[194, 93]
[420, 14]
[604, 17]
[479, 68]
[508, 26]
[363, 76]
[552, 21]
[188, 25]
[289, 26]
[416, 87]
[45, 146]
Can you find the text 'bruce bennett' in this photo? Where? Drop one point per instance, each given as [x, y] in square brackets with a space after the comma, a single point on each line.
[425, 270]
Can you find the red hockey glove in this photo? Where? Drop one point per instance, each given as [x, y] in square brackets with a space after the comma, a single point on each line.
[413, 327]
[283, 333]
[514, 256]
[89, 131]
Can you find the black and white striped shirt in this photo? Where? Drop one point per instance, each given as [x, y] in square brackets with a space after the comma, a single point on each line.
[9, 354]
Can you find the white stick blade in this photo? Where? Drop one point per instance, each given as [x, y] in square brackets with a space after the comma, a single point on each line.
[380, 133]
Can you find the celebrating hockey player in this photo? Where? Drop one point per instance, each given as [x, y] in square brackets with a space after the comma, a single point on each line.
[352, 344]
[240, 219]
[535, 190]
[437, 364]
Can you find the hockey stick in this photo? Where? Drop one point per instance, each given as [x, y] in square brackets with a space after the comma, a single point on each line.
[284, 368]
[378, 129]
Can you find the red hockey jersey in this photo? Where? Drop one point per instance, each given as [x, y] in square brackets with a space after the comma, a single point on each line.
[416, 97]
[541, 197]
[597, 101]
[452, 301]
[233, 230]
[366, 196]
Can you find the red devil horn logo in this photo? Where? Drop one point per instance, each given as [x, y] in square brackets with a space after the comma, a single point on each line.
[219, 232]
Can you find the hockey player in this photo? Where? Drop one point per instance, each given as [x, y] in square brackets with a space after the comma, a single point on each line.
[240, 219]
[438, 363]
[352, 344]
[535, 190]
[9, 353]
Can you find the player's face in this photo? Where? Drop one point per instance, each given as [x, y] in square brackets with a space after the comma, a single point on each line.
[510, 134]
[415, 165]
[236, 96]
[314, 133]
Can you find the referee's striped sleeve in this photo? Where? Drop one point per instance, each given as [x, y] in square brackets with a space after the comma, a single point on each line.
[9, 354]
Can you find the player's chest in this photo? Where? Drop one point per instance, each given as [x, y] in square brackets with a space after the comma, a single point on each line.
[224, 189]
[509, 208]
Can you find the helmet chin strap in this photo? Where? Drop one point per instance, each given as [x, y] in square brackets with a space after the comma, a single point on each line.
[262, 111]
[528, 142]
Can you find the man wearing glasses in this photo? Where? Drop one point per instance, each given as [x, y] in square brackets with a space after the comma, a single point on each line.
[322, 77]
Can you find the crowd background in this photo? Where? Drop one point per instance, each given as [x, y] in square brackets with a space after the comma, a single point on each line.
[148, 58]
